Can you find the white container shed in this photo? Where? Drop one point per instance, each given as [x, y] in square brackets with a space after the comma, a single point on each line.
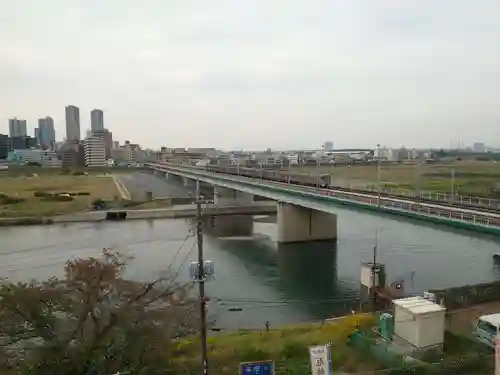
[419, 322]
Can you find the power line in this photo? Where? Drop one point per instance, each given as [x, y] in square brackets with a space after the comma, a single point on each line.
[44, 247]
[184, 260]
[180, 249]
[63, 260]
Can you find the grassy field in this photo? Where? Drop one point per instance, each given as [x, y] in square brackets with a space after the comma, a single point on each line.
[98, 186]
[286, 346]
[29, 170]
[471, 177]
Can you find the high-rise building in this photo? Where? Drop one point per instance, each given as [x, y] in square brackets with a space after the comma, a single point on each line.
[45, 133]
[95, 152]
[96, 120]
[72, 123]
[17, 128]
[5, 146]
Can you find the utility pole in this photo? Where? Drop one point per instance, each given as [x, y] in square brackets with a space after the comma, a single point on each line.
[201, 281]
[452, 185]
[378, 175]
[419, 181]
[374, 268]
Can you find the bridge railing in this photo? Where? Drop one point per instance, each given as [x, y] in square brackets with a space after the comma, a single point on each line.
[427, 194]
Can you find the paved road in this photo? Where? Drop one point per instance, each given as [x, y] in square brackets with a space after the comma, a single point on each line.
[139, 183]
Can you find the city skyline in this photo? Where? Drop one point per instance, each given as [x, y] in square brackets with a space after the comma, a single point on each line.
[280, 74]
[31, 131]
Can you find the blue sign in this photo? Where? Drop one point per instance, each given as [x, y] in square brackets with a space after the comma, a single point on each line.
[257, 368]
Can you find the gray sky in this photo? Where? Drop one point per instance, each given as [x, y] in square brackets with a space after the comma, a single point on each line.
[255, 74]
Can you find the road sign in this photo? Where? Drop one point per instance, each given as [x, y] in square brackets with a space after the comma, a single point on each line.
[257, 368]
[319, 357]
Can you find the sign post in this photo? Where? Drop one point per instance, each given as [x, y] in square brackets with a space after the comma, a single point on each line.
[319, 356]
[497, 355]
[257, 368]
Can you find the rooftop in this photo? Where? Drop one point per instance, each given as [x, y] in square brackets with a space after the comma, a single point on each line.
[493, 319]
[418, 305]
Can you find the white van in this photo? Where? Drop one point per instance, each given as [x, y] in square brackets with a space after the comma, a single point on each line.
[487, 329]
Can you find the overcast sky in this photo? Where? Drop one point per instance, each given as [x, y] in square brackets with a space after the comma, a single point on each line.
[257, 73]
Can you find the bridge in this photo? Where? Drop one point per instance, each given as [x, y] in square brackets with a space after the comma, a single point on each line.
[308, 213]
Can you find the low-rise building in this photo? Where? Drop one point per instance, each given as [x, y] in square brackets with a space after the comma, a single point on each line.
[95, 152]
[23, 142]
[120, 155]
[107, 138]
[43, 158]
[72, 154]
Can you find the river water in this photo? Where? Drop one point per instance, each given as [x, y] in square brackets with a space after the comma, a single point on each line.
[280, 284]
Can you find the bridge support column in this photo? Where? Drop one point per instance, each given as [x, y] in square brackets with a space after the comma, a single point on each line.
[299, 224]
[188, 182]
[232, 225]
[229, 197]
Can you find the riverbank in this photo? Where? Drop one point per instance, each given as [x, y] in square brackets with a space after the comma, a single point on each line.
[286, 346]
[47, 195]
[174, 212]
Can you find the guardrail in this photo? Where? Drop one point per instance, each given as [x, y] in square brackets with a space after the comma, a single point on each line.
[430, 195]
[455, 214]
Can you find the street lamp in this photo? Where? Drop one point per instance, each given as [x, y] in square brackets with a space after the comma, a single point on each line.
[378, 175]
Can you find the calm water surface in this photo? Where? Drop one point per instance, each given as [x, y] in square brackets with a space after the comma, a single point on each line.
[282, 284]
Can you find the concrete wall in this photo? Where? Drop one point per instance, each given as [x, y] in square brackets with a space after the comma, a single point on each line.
[188, 182]
[232, 226]
[230, 197]
[299, 224]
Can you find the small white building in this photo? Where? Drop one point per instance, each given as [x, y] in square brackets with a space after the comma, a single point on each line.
[95, 152]
[419, 322]
[294, 158]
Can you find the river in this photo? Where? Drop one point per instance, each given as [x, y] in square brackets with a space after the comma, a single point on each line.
[281, 284]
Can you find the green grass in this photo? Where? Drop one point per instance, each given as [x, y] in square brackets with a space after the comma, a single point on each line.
[24, 187]
[29, 170]
[286, 346]
[471, 177]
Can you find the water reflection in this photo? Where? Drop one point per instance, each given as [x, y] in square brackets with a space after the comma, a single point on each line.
[303, 275]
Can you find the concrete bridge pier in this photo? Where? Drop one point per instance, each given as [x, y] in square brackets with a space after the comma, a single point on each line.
[299, 224]
[229, 197]
[233, 225]
[188, 182]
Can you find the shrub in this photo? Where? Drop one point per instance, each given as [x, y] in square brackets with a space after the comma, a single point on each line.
[5, 199]
[97, 202]
[62, 198]
[93, 321]
[41, 194]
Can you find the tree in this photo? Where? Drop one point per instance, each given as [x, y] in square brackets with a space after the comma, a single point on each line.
[93, 321]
